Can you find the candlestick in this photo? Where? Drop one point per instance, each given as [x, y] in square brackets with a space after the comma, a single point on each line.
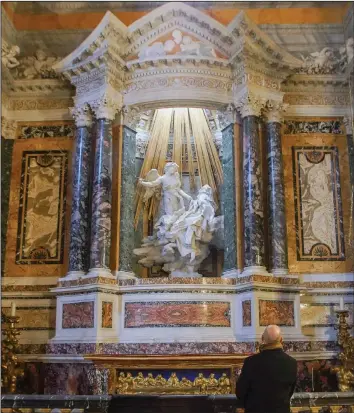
[341, 303]
[13, 309]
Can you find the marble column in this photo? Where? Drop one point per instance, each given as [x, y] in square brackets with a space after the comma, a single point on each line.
[80, 207]
[127, 211]
[101, 207]
[278, 249]
[348, 122]
[228, 202]
[253, 207]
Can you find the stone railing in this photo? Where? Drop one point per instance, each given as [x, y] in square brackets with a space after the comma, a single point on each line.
[301, 403]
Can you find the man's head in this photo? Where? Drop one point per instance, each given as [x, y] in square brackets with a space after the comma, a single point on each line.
[272, 335]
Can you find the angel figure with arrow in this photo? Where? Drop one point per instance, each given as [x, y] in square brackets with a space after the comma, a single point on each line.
[170, 183]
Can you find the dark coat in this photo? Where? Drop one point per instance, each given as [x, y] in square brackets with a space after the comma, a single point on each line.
[267, 382]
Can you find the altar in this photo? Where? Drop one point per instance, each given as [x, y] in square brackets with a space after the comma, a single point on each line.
[187, 183]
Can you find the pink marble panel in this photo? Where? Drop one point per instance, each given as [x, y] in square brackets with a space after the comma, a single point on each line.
[276, 312]
[78, 315]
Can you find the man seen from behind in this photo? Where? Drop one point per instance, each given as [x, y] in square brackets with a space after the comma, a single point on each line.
[268, 379]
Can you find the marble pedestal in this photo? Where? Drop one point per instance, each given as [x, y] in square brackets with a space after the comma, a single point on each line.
[176, 310]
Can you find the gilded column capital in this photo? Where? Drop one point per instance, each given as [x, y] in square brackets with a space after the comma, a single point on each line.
[274, 111]
[348, 123]
[82, 115]
[106, 107]
[250, 105]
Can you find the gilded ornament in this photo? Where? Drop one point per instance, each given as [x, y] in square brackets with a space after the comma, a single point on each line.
[11, 370]
[345, 371]
[127, 384]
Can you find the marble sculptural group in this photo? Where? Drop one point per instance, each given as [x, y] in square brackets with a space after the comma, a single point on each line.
[181, 235]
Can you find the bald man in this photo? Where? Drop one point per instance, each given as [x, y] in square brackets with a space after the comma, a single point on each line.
[268, 379]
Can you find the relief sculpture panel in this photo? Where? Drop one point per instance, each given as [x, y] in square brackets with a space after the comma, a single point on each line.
[317, 197]
[319, 221]
[42, 203]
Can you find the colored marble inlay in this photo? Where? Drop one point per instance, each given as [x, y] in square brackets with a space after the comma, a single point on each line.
[107, 313]
[46, 131]
[293, 127]
[318, 206]
[42, 207]
[276, 312]
[246, 313]
[177, 314]
[78, 315]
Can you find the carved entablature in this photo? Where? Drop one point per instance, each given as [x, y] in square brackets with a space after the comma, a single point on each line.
[177, 55]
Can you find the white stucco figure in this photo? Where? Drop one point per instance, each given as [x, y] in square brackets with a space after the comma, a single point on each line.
[38, 66]
[182, 237]
[8, 55]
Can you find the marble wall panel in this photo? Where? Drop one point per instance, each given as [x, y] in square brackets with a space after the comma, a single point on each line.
[276, 312]
[318, 204]
[6, 162]
[78, 315]
[323, 315]
[246, 313]
[39, 210]
[334, 180]
[294, 127]
[34, 318]
[48, 130]
[107, 314]
[177, 314]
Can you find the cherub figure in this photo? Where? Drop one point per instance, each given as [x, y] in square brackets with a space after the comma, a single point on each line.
[39, 66]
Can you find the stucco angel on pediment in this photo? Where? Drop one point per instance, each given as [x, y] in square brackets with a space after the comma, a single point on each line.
[177, 43]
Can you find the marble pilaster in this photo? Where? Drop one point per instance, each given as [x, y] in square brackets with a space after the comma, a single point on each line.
[254, 253]
[102, 200]
[128, 183]
[7, 146]
[80, 208]
[348, 122]
[228, 202]
[278, 251]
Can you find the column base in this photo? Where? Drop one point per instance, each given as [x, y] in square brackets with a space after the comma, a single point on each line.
[233, 273]
[72, 275]
[124, 275]
[99, 272]
[254, 270]
[280, 271]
